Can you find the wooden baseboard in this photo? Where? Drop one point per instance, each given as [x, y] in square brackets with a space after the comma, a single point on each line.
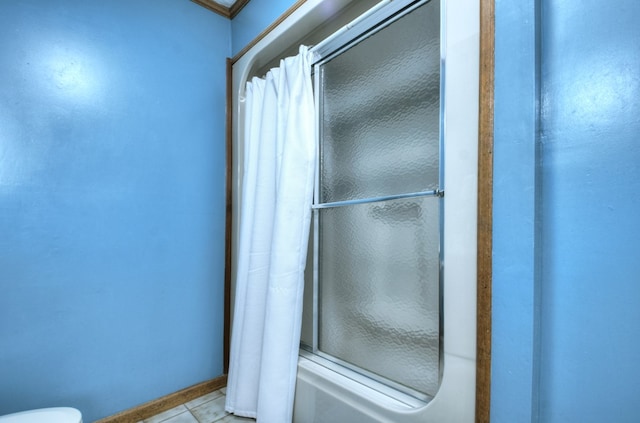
[167, 402]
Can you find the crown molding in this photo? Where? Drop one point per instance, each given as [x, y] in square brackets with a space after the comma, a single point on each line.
[227, 12]
[237, 7]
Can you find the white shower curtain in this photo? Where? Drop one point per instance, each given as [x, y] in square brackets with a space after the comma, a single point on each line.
[275, 216]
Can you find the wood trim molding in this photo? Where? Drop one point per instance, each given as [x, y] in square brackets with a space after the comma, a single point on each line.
[237, 7]
[485, 210]
[227, 12]
[215, 7]
[167, 402]
[229, 221]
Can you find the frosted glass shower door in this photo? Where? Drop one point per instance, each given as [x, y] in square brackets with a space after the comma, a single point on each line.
[379, 289]
[378, 204]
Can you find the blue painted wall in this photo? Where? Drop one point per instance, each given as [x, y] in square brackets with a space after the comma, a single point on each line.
[566, 313]
[515, 198]
[254, 18]
[112, 160]
[590, 285]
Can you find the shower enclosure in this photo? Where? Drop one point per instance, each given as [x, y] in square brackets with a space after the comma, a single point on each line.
[389, 310]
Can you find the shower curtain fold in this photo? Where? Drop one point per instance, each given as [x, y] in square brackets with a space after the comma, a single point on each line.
[278, 180]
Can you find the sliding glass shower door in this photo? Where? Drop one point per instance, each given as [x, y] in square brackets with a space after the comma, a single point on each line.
[374, 286]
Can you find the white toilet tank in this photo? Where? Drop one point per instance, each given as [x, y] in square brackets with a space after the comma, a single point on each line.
[44, 415]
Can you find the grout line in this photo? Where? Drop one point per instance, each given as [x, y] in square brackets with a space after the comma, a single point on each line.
[189, 410]
[179, 414]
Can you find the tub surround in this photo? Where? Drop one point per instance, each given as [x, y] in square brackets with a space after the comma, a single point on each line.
[455, 401]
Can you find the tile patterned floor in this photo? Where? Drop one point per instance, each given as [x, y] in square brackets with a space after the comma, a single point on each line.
[206, 409]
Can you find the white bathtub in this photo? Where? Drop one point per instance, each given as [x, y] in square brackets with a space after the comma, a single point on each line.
[325, 396]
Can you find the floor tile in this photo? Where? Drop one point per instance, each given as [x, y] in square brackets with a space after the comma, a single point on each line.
[234, 419]
[205, 398]
[210, 411]
[166, 415]
[205, 409]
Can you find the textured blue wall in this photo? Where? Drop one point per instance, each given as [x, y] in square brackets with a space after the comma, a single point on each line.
[515, 259]
[254, 18]
[565, 320]
[590, 134]
[112, 160]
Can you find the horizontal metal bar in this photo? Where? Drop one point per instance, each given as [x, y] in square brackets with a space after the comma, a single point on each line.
[434, 193]
[362, 26]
